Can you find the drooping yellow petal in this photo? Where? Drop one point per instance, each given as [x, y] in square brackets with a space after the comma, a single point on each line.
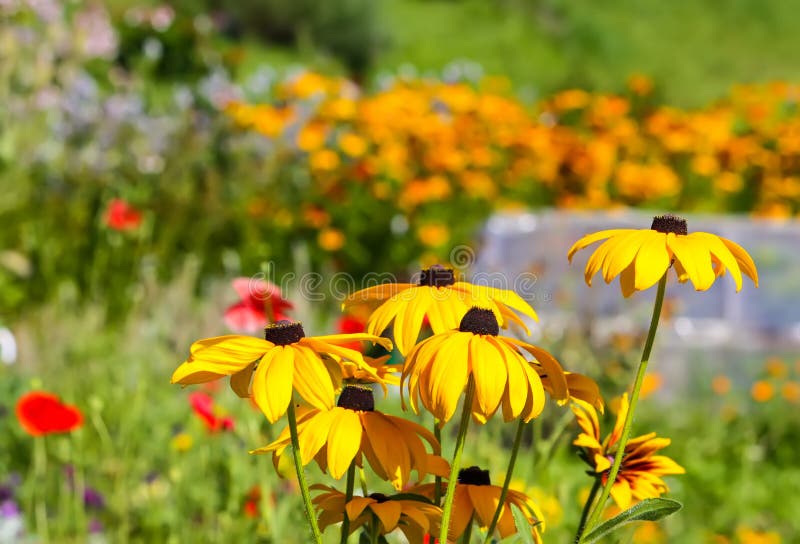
[376, 292]
[213, 358]
[746, 263]
[489, 373]
[408, 321]
[388, 512]
[240, 381]
[622, 253]
[448, 376]
[382, 316]
[621, 493]
[311, 379]
[592, 238]
[461, 514]
[627, 280]
[272, 382]
[349, 338]
[695, 258]
[652, 261]
[485, 499]
[516, 386]
[344, 440]
[356, 506]
[315, 433]
[191, 374]
[722, 253]
[390, 452]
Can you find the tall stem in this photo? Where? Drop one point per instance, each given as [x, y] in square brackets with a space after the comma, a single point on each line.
[447, 508]
[588, 507]
[506, 483]
[437, 486]
[626, 429]
[467, 536]
[301, 475]
[348, 496]
[40, 477]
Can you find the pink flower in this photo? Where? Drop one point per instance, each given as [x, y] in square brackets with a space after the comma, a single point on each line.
[203, 407]
[122, 216]
[260, 303]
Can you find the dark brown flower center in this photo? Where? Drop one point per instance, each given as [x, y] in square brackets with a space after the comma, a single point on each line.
[378, 497]
[669, 223]
[437, 276]
[284, 332]
[474, 476]
[479, 321]
[356, 398]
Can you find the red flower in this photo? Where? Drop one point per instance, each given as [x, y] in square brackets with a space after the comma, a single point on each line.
[260, 303]
[350, 324]
[42, 413]
[122, 216]
[203, 406]
[253, 498]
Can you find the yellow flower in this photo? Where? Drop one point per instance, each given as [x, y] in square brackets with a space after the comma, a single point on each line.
[440, 298]
[182, 442]
[331, 239]
[640, 473]
[762, 391]
[433, 234]
[337, 437]
[640, 257]
[352, 144]
[287, 359]
[438, 369]
[579, 387]
[746, 535]
[476, 500]
[414, 518]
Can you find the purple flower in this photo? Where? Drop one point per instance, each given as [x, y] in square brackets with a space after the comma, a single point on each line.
[9, 509]
[92, 498]
[95, 526]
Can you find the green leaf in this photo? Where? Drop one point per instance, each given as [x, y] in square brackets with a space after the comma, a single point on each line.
[523, 527]
[647, 510]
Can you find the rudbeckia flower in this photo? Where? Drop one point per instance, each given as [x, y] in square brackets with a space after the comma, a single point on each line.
[440, 298]
[438, 369]
[640, 257]
[476, 499]
[640, 474]
[354, 430]
[414, 518]
[287, 359]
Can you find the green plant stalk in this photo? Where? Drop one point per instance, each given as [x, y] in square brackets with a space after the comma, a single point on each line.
[467, 536]
[437, 486]
[626, 429]
[301, 476]
[588, 506]
[348, 496]
[511, 462]
[362, 476]
[447, 508]
[375, 532]
[40, 491]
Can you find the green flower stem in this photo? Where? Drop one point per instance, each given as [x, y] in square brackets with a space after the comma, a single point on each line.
[301, 475]
[437, 487]
[626, 429]
[348, 496]
[40, 490]
[447, 508]
[507, 482]
[362, 476]
[375, 533]
[467, 536]
[588, 506]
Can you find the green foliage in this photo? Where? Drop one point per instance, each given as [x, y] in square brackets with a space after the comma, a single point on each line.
[647, 510]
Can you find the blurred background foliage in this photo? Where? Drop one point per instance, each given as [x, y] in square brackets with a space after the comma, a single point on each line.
[151, 151]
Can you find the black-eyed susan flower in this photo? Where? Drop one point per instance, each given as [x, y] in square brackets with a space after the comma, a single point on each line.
[476, 500]
[640, 257]
[270, 369]
[579, 387]
[641, 470]
[353, 430]
[414, 518]
[440, 298]
[438, 369]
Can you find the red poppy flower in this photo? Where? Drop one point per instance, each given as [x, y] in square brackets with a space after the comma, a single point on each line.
[122, 216]
[203, 406]
[252, 501]
[260, 303]
[350, 324]
[42, 413]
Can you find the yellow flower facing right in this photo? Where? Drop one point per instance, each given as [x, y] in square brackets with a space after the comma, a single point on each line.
[640, 257]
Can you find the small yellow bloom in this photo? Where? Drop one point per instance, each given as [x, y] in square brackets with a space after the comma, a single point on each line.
[762, 391]
[331, 239]
[776, 367]
[324, 160]
[721, 384]
[652, 382]
[433, 234]
[182, 442]
[791, 392]
[352, 144]
[640, 257]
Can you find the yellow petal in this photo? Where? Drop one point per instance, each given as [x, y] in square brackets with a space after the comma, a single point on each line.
[627, 281]
[485, 499]
[234, 350]
[489, 373]
[344, 440]
[376, 292]
[461, 513]
[383, 315]
[722, 253]
[240, 381]
[622, 253]
[336, 339]
[621, 493]
[652, 261]
[389, 514]
[695, 258]
[311, 379]
[272, 382]
[314, 434]
[390, 452]
[189, 373]
[356, 506]
[516, 386]
[746, 263]
[408, 321]
[592, 238]
[447, 376]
